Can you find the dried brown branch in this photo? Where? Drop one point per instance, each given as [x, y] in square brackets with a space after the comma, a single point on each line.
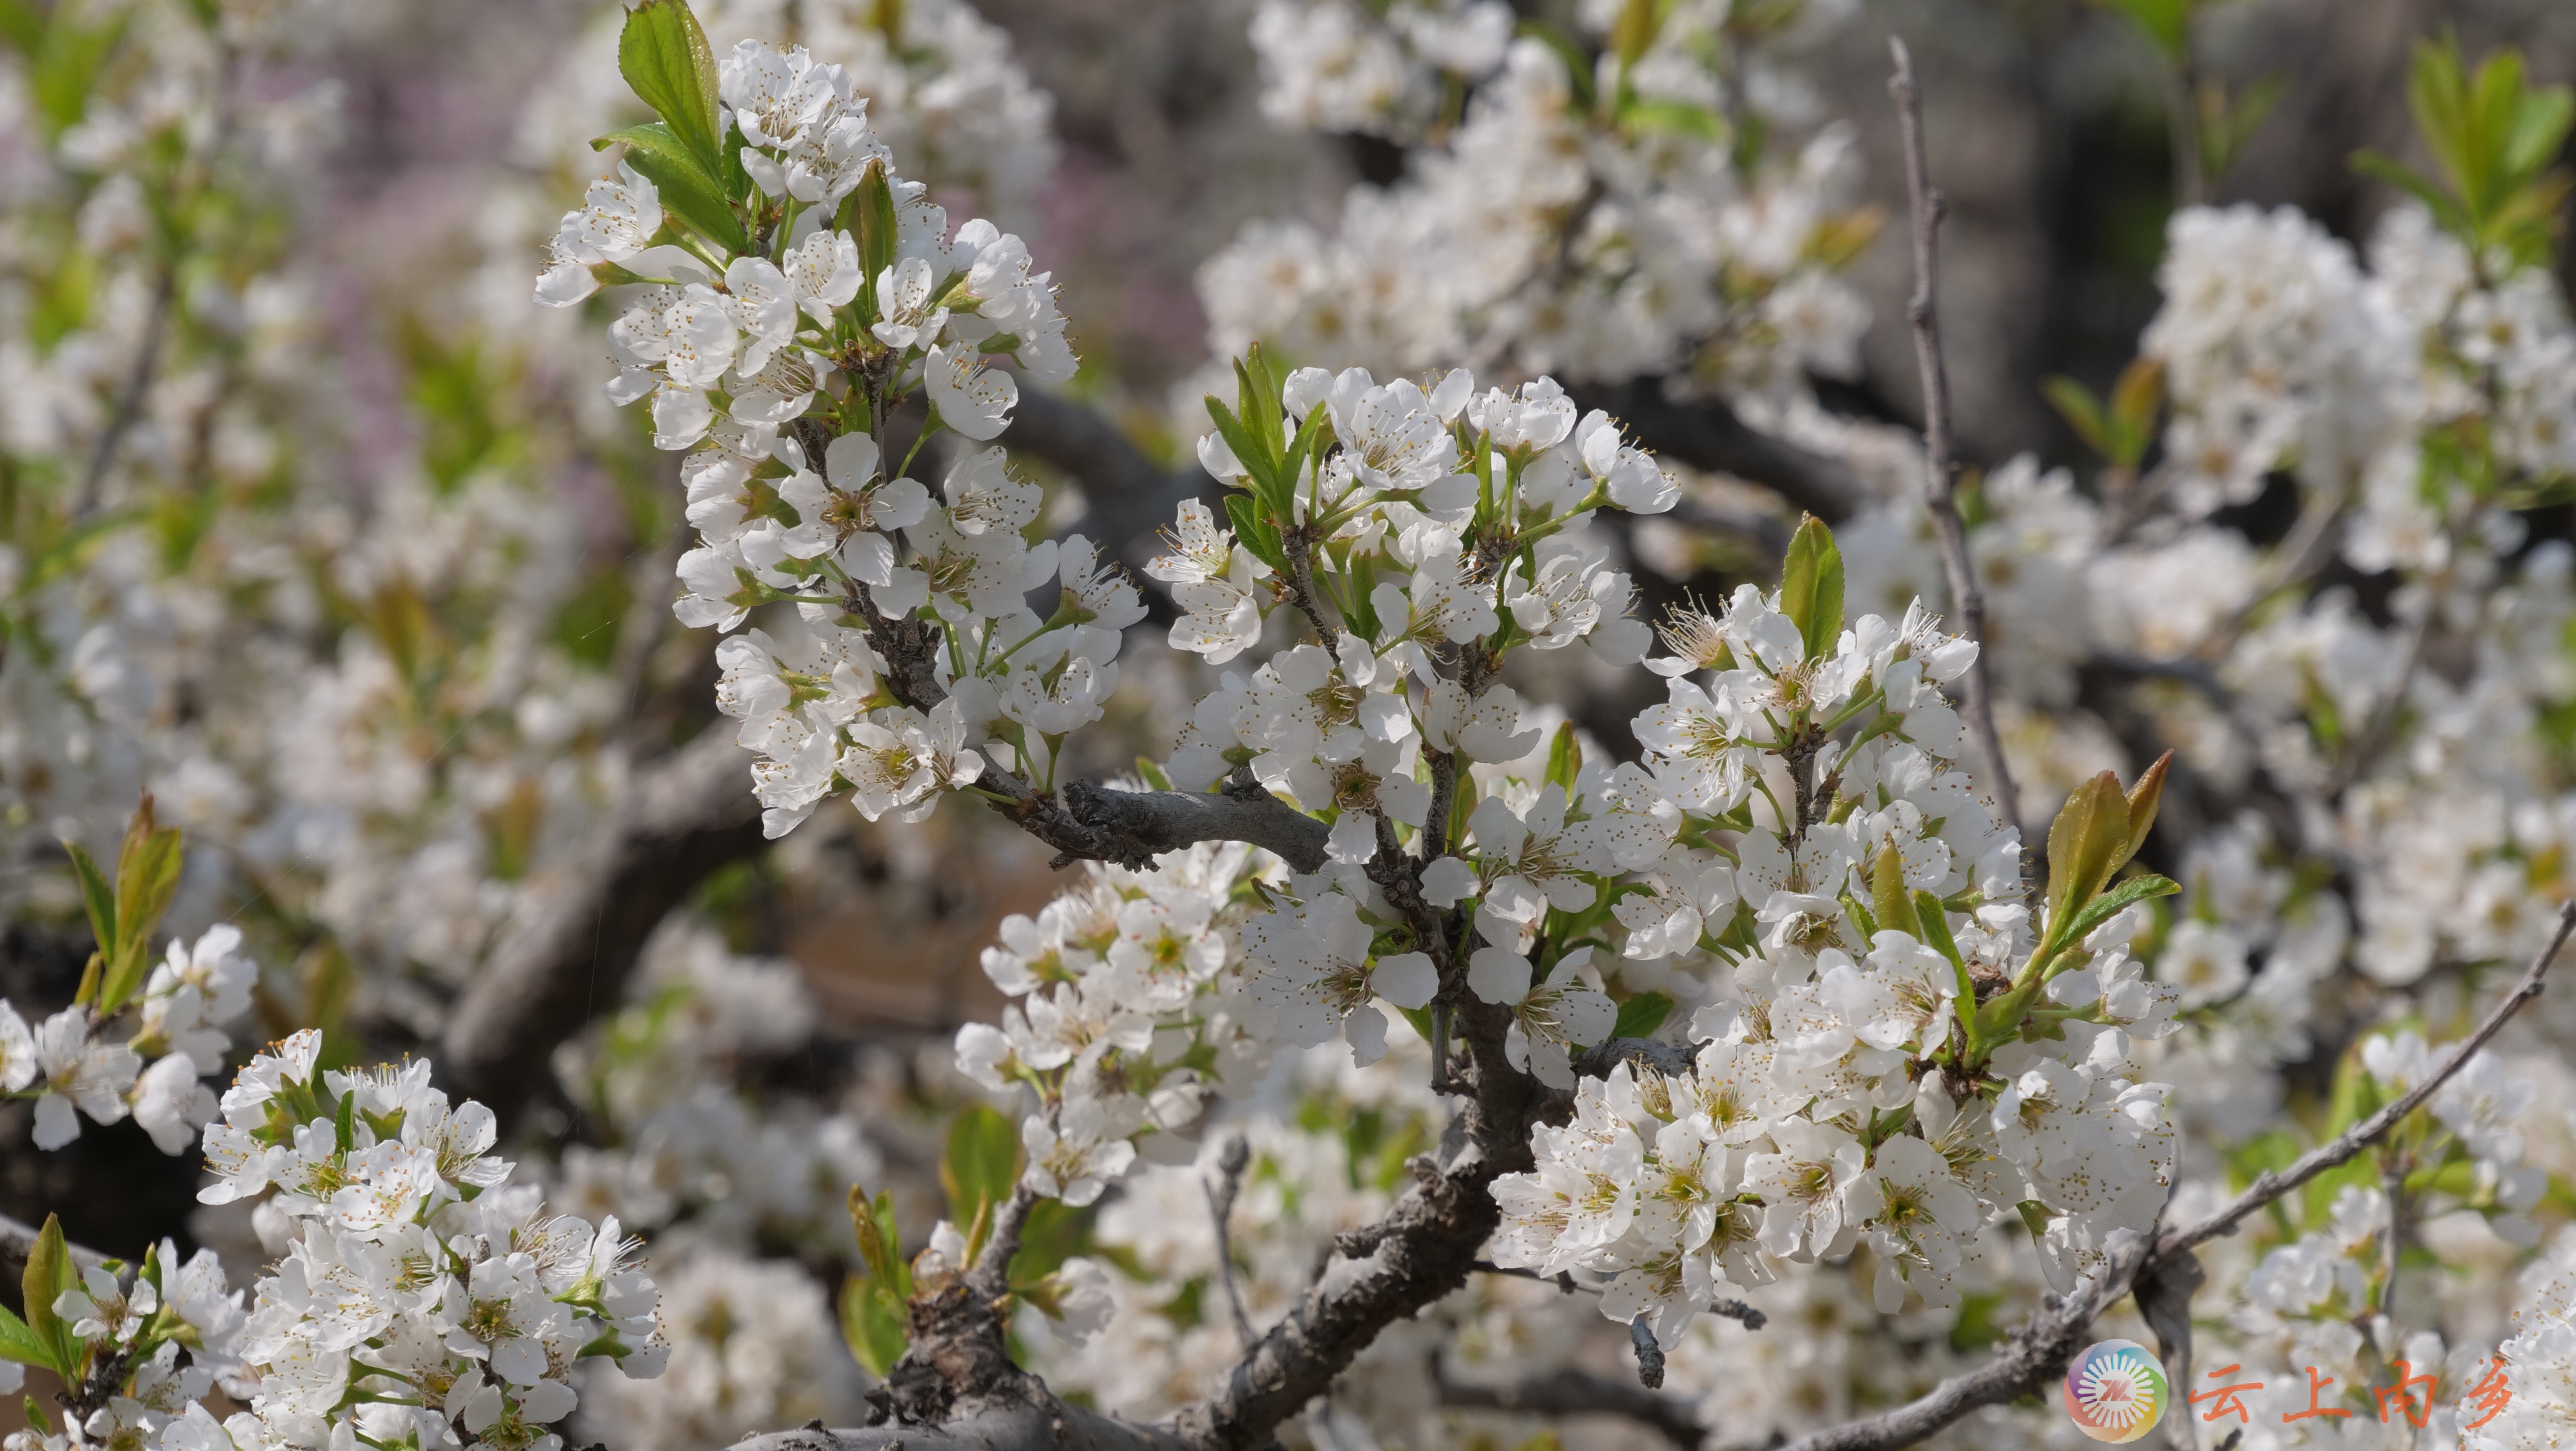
[2037, 1352]
[1967, 600]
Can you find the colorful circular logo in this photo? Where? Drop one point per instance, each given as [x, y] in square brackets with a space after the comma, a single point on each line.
[2115, 1391]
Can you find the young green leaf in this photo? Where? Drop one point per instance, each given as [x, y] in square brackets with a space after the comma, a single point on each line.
[2167, 23]
[1889, 902]
[2141, 801]
[2103, 908]
[1811, 587]
[97, 896]
[981, 1165]
[688, 189]
[663, 55]
[868, 215]
[68, 61]
[21, 1344]
[880, 1244]
[873, 1324]
[2083, 413]
[1641, 1015]
[49, 1273]
[1564, 757]
[1255, 532]
[147, 877]
[2086, 844]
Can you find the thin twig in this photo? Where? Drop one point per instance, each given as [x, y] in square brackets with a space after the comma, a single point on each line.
[1940, 488]
[1650, 1355]
[1230, 1163]
[129, 399]
[2268, 1187]
[2381, 728]
[2037, 1351]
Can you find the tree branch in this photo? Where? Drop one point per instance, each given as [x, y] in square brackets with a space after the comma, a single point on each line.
[18, 1241]
[1052, 1425]
[1135, 826]
[1707, 434]
[1939, 487]
[2038, 1351]
[1230, 1164]
[1126, 495]
[1572, 1392]
[567, 956]
[2268, 1186]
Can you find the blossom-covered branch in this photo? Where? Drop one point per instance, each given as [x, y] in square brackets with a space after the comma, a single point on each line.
[2037, 1352]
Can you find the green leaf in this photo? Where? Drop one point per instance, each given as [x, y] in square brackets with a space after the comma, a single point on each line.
[2225, 125]
[1254, 532]
[1811, 587]
[1564, 757]
[96, 896]
[663, 55]
[1641, 1015]
[21, 1344]
[2492, 137]
[1681, 118]
[1361, 615]
[873, 1323]
[982, 1163]
[147, 877]
[2141, 801]
[1420, 1018]
[22, 25]
[868, 215]
[1889, 901]
[2445, 208]
[2082, 411]
[67, 63]
[689, 190]
[2085, 845]
[2165, 22]
[2135, 400]
[2034, 1217]
[1242, 442]
[1151, 773]
[49, 1272]
[1935, 922]
[2103, 908]
[1634, 30]
[880, 1245]
[1053, 1233]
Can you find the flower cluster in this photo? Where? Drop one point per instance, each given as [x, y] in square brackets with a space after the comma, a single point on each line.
[1129, 1007]
[422, 1300]
[1602, 226]
[780, 367]
[177, 1029]
[1844, 1087]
